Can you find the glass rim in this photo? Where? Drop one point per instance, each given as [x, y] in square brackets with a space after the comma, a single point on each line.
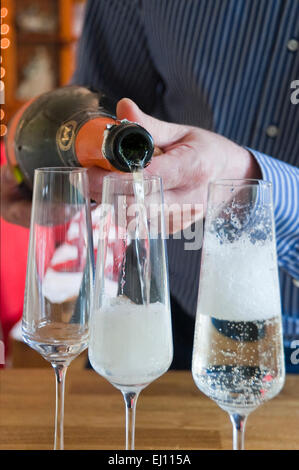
[129, 177]
[61, 169]
[240, 182]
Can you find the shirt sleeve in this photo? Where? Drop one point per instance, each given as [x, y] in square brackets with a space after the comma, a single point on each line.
[285, 183]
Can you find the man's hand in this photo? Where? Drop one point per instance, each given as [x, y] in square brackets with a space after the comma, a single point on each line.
[15, 201]
[192, 157]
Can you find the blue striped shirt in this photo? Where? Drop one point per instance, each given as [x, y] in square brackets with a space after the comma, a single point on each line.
[224, 65]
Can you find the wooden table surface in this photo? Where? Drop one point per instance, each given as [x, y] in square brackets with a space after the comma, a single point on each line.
[171, 414]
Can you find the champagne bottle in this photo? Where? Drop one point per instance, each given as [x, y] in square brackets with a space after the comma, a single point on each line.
[74, 126]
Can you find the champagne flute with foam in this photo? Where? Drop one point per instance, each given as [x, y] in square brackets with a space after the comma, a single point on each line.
[130, 327]
[238, 350]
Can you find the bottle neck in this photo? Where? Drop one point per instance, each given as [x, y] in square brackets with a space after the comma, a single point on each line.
[89, 142]
[113, 145]
[128, 146]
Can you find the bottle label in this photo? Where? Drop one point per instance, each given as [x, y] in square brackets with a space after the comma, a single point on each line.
[65, 135]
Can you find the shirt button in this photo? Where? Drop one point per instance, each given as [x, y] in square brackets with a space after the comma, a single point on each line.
[293, 45]
[272, 131]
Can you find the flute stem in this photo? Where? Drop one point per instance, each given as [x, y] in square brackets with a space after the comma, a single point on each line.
[130, 402]
[60, 372]
[239, 422]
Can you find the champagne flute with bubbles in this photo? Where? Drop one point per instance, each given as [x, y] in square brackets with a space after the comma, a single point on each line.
[59, 274]
[130, 326]
[238, 351]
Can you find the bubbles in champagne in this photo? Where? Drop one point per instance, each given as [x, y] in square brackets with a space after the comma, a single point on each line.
[238, 354]
[238, 364]
[130, 344]
[239, 281]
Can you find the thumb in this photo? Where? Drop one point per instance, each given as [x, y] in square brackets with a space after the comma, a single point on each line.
[163, 133]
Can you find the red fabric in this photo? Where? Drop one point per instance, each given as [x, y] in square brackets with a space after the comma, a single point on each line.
[14, 245]
[13, 261]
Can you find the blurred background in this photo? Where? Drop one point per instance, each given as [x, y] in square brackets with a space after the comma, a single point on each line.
[38, 52]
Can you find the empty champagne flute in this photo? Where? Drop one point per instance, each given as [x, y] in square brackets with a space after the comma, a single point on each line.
[59, 274]
[130, 325]
[238, 351]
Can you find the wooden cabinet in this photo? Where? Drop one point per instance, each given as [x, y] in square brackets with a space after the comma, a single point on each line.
[38, 48]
